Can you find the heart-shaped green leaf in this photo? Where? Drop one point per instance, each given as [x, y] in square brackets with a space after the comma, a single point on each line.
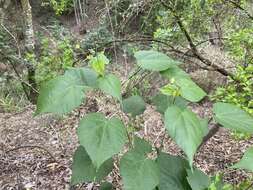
[134, 105]
[162, 102]
[98, 63]
[106, 186]
[175, 72]
[188, 89]
[232, 117]
[185, 128]
[154, 61]
[247, 161]
[60, 96]
[64, 93]
[111, 85]
[198, 180]
[101, 137]
[83, 76]
[172, 172]
[84, 171]
[138, 171]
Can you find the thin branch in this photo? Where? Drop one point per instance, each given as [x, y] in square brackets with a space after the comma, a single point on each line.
[172, 49]
[11, 59]
[210, 134]
[14, 38]
[249, 187]
[207, 40]
[17, 74]
[193, 46]
[238, 6]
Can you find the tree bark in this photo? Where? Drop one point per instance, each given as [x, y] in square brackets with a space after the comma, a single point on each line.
[30, 48]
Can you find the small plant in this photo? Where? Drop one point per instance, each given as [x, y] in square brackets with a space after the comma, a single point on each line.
[96, 38]
[102, 138]
[240, 93]
[60, 6]
[12, 97]
[55, 58]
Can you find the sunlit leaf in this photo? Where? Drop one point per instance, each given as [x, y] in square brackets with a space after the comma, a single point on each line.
[187, 88]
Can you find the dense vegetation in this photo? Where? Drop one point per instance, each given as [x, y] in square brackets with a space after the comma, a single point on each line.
[56, 67]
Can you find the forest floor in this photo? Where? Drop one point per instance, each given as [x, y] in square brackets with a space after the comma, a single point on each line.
[36, 152]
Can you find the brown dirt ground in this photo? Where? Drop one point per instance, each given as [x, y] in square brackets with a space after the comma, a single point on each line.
[36, 152]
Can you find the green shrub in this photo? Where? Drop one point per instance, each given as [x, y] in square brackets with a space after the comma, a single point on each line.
[96, 38]
[103, 137]
[238, 92]
[55, 57]
[12, 97]
[61, 6]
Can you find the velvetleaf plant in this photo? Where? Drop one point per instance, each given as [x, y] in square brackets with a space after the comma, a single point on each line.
[102, 138]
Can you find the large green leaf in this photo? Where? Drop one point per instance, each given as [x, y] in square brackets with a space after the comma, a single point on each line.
[60, 95]
[185, 128]
[134, 105]
[83, 76]
[231, 116]
[247, 161]
[188, 89]
[106, 186]
[84, 171]
[138, 171]
[64, 93]
[154, 61]
[175, 72]
[198, 180]
[111, 85]
[162, 102]
[101, 137]
[172, 172]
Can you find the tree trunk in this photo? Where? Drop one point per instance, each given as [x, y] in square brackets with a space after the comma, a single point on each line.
[30, 47]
